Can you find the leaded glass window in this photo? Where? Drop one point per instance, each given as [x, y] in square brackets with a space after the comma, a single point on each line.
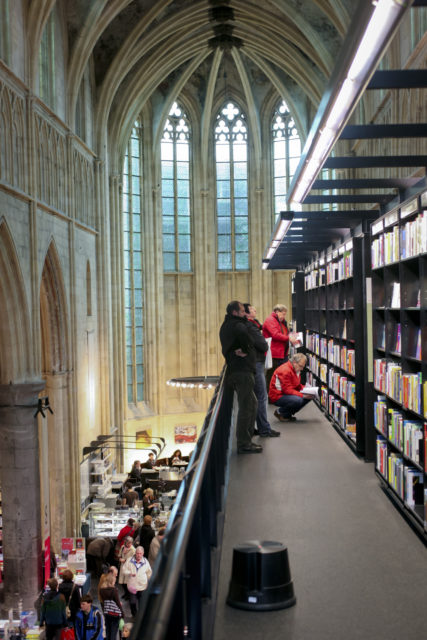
[176, 204]
[286, 155]
[231, 163]
[47, 63]
[133, 289]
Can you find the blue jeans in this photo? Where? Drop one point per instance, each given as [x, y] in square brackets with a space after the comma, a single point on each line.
[111, 627]
[289, 405]
[260, 390]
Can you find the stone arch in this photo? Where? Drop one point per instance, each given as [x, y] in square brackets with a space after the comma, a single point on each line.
[60, 452]
[53, 315]
[16, 363]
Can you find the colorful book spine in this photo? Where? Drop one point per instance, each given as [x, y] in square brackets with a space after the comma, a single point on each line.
[380, 415]
[413, 439]
[381, 456]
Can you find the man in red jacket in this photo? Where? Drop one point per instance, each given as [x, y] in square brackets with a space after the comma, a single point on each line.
[286, 390]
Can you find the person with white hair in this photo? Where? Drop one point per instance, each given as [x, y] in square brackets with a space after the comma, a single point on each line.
[137, 572]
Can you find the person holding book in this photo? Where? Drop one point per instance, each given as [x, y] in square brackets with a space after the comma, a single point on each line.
[286, 390]
[276, 328]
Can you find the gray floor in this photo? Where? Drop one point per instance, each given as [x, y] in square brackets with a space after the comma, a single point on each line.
[359, 570]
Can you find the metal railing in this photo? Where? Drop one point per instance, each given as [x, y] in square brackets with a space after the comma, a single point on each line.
[181, 597]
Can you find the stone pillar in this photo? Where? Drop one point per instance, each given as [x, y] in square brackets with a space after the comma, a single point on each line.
[20, 485]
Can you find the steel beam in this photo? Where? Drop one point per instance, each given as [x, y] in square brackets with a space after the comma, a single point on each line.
[399, 79]
[371, 131]
[370, 183]
[367, 162]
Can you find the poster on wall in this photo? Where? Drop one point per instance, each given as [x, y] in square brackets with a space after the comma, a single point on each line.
[144, 437]
[185, 433]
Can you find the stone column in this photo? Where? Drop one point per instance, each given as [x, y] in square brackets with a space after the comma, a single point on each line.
[20, 486]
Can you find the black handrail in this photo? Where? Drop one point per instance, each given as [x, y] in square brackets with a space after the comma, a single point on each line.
[181, 596]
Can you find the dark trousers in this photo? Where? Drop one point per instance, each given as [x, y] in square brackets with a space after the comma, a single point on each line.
[53, 631]
[289, 405]
[269, 373]
[134, 599]
[111, 627]
[243, 384]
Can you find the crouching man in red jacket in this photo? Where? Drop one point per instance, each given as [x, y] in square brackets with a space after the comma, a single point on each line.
[286, 388]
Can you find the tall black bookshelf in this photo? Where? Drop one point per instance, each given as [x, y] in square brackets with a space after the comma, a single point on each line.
[298, 308]
[399, 335]
[336, 340]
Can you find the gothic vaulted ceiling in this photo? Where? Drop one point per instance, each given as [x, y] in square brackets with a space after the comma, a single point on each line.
[142, 47]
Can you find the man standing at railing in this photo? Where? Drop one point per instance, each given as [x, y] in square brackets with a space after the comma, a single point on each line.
[239, 352]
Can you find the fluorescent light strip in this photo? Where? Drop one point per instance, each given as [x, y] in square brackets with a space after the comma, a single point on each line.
[378, 30]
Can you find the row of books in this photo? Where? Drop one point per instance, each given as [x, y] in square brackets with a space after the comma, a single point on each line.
[342, 357]
[313, 364]
[406, 435]
[342, 386]
[341, 269]
[413, 237]
[401, 242]
[407, 481]
[340, 414]
[404, 388]
[395, 344]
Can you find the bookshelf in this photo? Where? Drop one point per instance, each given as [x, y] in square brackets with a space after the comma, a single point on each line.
[399, 319]
[298, 310]
[335, 340]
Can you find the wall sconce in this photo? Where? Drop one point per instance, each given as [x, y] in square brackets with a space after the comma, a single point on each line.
[282, 226]
[43, 404]
[370, 31]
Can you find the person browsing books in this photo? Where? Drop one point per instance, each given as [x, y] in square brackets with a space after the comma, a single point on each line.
[286, 390]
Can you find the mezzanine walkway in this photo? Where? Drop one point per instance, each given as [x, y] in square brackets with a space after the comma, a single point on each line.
[359, 570]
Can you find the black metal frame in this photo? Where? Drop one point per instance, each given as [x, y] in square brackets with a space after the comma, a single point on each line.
[181, 597]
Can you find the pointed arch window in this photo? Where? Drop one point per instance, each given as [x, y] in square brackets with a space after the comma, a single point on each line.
[47, 62]
[5, 29]
[231, 163]
[286, 154]
[133, 293]
[176, 205]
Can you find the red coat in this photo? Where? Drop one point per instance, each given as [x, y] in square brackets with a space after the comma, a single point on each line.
[285, 382]
[278, 332]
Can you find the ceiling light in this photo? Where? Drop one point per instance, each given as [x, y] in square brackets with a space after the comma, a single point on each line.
[283, 223]
[371, 30]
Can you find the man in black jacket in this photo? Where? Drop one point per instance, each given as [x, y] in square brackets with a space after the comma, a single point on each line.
[260, 389]
[239, 352]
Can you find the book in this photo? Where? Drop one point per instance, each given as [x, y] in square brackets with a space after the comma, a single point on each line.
[395, 295]
[310, 391]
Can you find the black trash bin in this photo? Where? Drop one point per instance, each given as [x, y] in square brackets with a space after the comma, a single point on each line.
[261, 577]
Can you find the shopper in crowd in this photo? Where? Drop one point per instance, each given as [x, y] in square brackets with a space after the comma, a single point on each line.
[112, 571]
[89, 625]
[136, 478]
[128, 530]
[127, 629]
[135, 472]
[71, 593]
[111, 607]
[99, 552]
[149, 501]
[155, 546]
[238, 350]
[176, 458]
[276, 328]
[130, 497]
[127, 551]
[138, 572]
[151, 462]
[260, 389]
[53, 611]
[286, 390]
[146, 534]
